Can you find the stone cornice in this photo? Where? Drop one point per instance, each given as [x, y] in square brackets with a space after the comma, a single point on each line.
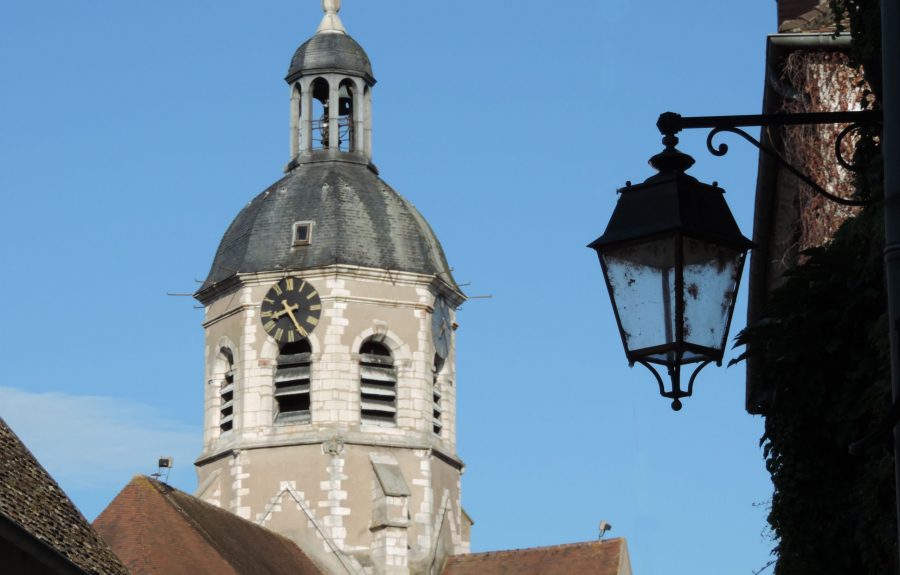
[325, 436]
[354, 272]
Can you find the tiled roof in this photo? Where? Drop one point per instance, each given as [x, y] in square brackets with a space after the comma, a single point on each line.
[159, 530]
[33, 502]
[358, 220]
[818, 19]
[608, 557]
[790, 9]
[330, 52]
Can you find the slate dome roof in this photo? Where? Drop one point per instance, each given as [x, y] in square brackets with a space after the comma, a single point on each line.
[358, 220]
[330, 53]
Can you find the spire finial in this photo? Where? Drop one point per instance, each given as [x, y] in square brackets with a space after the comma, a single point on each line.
[331, 23]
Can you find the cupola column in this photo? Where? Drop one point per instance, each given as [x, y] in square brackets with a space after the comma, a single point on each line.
[360, 117]
[306, 119]
[296, 118]
[334, 113]
[368, 130]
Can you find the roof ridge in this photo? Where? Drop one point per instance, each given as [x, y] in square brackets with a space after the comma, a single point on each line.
[140, 481]
[162, 489]
[540, 548]
[159, 484]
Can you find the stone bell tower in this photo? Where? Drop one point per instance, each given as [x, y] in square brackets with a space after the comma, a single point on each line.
[330, 381]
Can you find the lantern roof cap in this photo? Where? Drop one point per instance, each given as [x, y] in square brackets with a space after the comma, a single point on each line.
[330, 49]
[671, 202]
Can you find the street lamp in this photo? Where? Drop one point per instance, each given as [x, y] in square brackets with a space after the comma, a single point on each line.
[672, 256]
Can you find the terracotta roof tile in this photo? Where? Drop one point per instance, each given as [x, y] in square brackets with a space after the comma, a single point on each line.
[159, 530]
[608, 557]
[33, 501]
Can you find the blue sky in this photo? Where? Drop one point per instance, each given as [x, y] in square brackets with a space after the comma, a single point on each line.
[132, 133]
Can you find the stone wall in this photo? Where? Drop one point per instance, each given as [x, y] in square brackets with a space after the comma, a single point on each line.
[318, 482]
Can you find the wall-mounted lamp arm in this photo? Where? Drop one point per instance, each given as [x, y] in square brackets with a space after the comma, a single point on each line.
[670, 123]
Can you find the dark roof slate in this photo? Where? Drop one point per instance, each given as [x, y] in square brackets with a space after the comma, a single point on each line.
[330, 52]
[358, 220]
[609, 557]
[32, 500]
[159, 530]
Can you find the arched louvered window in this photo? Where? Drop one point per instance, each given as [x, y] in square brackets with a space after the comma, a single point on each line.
[436, 410]
[292, 378]
[377, 384]
[226, 391]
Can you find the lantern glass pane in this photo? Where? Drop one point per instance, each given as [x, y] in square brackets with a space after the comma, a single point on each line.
[711, 275]
[642, 284]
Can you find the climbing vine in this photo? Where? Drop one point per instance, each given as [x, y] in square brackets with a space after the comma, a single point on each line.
[823, 349]
[863, 17]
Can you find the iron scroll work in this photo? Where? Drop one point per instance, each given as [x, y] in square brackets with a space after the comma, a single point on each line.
[677, 393]
[670, 123]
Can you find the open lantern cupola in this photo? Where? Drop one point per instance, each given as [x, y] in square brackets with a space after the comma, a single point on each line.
[331, 100]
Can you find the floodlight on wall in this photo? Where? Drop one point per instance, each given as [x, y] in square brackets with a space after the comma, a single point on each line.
[164, 467]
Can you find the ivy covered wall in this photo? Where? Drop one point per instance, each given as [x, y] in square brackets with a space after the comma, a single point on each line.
[822, 345]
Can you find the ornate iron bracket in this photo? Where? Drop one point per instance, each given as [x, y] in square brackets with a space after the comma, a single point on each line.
[675, 374]
[670, 123]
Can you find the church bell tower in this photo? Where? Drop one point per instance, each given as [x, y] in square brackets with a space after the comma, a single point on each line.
[330, 392]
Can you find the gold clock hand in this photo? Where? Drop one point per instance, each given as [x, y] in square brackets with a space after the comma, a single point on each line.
[300, 329]
[290, 311]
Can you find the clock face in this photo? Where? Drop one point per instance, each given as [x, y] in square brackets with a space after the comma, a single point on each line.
[291, 309]
[441, 327]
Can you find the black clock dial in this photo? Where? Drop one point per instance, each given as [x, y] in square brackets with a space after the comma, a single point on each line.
[441, 328]
[291, 309]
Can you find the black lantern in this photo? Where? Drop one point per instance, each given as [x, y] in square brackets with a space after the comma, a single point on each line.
[672, 256]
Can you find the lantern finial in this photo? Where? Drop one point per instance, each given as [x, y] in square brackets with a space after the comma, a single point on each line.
[671, 160]
[331, 23]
